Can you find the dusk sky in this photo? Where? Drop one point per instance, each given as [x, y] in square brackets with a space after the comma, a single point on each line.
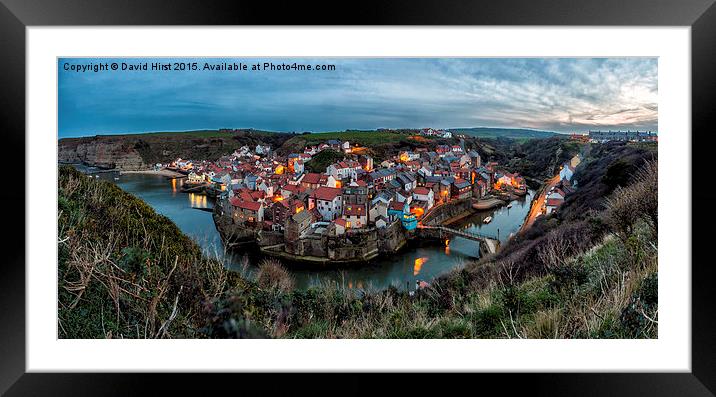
[554, 94]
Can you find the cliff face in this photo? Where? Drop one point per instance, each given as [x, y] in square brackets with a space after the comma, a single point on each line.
[105, 153]
[140, 151]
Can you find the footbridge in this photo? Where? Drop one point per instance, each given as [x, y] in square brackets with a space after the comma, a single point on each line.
[490, 244]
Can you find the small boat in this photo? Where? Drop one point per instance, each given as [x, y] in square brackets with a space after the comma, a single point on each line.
[509, 205]
[487, 220]
[116, 178]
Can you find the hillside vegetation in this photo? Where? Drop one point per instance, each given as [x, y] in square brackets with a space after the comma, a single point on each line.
[138, 151]
[538, 159]
[320, 161]
[126, 271]
[143, 150]
[380, 144]
[583, 219]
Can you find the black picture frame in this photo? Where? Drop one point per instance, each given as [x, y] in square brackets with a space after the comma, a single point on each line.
[700, 15]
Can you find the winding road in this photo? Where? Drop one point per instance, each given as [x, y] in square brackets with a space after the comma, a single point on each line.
[538, 203]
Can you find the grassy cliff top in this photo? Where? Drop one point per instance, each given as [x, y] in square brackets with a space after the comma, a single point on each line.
[512, 133]
[124, 270]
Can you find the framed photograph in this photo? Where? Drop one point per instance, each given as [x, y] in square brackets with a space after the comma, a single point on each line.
[466, 188]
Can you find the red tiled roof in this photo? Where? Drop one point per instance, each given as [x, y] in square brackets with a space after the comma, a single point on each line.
[245, 196]
[347, 164]
[554, 202]
[312, 178]
[245, 204]
[354, 210]
[249, 205]
[326, 193]
[341, 222]
[395, 205]
[421, 190]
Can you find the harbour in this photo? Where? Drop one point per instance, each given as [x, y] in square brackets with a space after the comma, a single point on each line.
[416, 261]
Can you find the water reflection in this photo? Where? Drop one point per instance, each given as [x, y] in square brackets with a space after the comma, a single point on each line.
[197, 200]
[505, 221]
[419, 262]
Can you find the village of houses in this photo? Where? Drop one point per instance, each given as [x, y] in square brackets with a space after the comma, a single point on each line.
[265, 194]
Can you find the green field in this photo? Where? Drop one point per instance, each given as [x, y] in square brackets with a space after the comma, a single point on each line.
[365, 138]
[379, 142]
[513, 133]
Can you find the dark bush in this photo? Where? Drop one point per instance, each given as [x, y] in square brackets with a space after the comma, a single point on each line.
[134, 260]
[638, 317]
[486, 322]
[272, 275]
[568, 276]
[618, 174]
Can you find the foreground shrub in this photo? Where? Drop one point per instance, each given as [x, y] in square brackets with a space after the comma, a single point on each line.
[637, 201]
[272, 275]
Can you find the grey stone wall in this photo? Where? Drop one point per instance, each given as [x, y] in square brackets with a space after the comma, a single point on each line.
[442, 213]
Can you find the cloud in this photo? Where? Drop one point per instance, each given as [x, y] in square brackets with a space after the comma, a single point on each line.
[561, 94]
